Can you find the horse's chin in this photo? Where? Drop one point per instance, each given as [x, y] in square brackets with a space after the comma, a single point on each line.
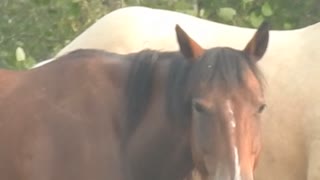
[220, 173]
[226, 176]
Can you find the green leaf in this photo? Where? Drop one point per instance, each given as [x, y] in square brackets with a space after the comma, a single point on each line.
[227, 13]
[246, 1]
[20, 55]
[266, 9]
[287, 26]
[256, 20]
[29, 63]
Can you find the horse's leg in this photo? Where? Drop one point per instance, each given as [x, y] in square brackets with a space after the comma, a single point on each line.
[313, 132]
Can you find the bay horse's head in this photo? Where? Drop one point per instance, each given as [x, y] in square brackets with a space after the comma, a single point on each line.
[225, 98]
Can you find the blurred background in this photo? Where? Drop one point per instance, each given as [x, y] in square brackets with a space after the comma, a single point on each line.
[34, 30]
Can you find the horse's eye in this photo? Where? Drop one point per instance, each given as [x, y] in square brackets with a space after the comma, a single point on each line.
[199, 107]
[261, 108]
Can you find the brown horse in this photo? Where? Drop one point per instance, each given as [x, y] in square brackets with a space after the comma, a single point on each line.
[148, 115]
[290, 125]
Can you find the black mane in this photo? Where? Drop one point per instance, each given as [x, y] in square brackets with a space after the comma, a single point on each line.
[219, 67]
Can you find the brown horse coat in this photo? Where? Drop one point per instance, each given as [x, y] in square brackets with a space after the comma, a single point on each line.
[147, 115]
[53, 121]
[290, 129]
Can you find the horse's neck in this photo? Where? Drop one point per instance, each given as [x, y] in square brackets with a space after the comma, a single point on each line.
[158, 152]
[157, 149]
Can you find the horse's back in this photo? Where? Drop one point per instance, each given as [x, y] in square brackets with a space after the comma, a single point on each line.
[8, 80]
[132, 29]
[145, 28]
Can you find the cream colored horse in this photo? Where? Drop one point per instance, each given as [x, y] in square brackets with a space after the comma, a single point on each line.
[291, 123]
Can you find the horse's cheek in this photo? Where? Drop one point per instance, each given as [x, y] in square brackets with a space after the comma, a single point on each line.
[203, 134]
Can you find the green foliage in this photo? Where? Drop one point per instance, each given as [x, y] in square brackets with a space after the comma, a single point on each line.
[42, 27]
[284, 14]
[266, 9]
[34, 30]
[227, 13]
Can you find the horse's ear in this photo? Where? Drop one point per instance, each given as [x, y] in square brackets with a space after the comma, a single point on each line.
[188, 47]
[257, 46]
